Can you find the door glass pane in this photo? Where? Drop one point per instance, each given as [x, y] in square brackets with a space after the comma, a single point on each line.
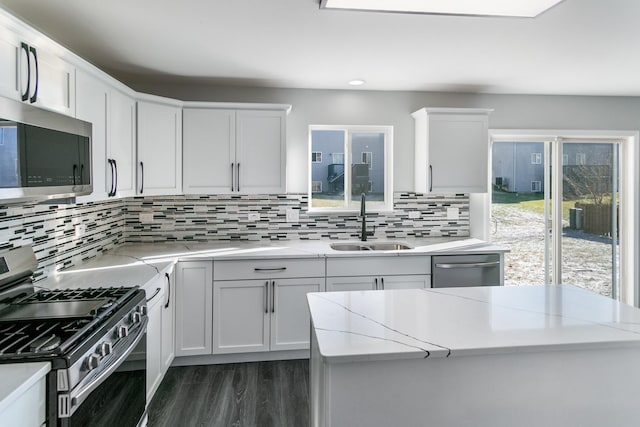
[367, 166]
[589, 216]
[327, 169]
[517, 209]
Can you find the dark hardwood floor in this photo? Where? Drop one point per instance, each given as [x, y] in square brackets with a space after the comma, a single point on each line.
[259, 394]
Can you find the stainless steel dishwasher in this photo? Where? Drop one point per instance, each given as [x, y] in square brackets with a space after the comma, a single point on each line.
[465, 270]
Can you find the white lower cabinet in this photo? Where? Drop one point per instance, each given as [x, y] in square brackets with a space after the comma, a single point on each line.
[378, 273]
[168, 322]
[262, 315]
[194, 308]
[160, 329]
[367, 283]
[154, 347]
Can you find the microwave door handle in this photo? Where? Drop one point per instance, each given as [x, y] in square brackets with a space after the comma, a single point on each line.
[74, 172]
[79, 395]
[34, 98]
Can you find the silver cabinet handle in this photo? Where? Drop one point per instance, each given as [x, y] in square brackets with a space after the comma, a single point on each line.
[430, 178]
[382, 282]
[231, 176]
[469, 264]
[375, 281]
[259, 269]
[273, 296]
[141, 177]
[266, 297]
[34, 97]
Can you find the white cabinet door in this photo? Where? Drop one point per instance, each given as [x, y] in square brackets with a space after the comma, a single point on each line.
[55, 83]
[364, 283]
[290, 320]
[121, 144]
[154, 347]
[159, 149]
[451, 150]
[10, 65]
[260, 151]
[168, 322]
[404, 282]
[28, 408]
[92, 105]
[209, 151]
[240, 316]
[194, 305]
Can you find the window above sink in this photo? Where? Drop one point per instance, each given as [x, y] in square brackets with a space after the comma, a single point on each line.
[367, 150]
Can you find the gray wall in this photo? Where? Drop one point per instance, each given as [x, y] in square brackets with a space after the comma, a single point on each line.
[361, 107]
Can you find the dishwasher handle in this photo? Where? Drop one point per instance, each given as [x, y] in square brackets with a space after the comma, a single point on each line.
[468, 264]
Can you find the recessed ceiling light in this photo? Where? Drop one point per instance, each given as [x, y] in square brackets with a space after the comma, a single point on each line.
[357, 82]
[520, 8]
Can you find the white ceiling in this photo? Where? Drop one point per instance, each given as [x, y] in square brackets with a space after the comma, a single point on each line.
[582, 47]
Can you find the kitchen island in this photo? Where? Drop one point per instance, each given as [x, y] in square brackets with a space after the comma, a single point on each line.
[480, 356]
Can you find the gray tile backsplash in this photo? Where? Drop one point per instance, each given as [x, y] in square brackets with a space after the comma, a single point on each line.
[50, 228]
[226, 217]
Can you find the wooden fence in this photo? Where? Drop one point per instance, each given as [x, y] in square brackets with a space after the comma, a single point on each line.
[596, 219]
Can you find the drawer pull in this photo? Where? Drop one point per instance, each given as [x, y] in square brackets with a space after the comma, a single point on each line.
[263, 269]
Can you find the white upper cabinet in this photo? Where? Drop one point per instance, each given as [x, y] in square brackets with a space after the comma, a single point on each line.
[260, 152]
[159, 148]
[9, 64]
[451, 150]
[234, 151]
[209, 150]
[92, 105]
[121, 145]
[34, 75]
[54, 82]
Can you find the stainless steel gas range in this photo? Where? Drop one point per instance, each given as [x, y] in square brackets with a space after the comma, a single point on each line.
[88, 335]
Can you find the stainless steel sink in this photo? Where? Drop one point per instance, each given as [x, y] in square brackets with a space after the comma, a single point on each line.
[372, 246]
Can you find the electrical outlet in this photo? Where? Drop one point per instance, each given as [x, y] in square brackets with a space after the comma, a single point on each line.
[453, 213]
[293, 215]
[146, 218]
[80, 229]
[253, 216]
[414, 214]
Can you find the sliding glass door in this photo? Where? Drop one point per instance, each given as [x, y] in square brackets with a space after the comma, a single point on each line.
[561, 223]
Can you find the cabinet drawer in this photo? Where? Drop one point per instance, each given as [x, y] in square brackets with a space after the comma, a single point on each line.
[265, 269]
[378, 266]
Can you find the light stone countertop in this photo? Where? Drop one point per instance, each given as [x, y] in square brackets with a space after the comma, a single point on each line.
[17, 378]
[135, 264]
[453, 322]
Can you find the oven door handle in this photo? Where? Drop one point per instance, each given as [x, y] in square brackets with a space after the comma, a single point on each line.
[80, 394]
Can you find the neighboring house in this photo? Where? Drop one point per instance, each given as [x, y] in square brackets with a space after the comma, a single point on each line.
[327, 162]
[518, 167]
[8, 157]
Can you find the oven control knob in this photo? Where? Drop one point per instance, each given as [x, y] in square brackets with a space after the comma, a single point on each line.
[136, 317]
[105, 348]
[143, 310]
[93, 361]
[123, 331]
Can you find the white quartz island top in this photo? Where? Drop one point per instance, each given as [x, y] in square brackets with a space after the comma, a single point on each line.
[450, 322]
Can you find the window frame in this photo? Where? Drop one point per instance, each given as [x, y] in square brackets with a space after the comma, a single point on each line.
[319, 153]
[539, 186]
[316, 191]
[536, 158]
[387, 205]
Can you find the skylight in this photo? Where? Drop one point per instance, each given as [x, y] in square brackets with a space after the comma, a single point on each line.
[519, 8]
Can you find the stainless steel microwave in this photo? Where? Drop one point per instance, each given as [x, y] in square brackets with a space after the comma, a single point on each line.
[43, 155]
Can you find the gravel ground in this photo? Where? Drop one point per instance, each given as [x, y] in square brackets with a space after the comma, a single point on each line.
[586, 258]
